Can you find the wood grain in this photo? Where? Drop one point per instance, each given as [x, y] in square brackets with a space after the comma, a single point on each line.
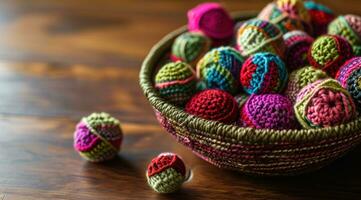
[61, 60]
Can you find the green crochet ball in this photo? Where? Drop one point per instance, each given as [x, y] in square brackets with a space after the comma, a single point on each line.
[220, 68]
[349, 27]
[324, 103]
[176, 82]
[189, 47]
[300, 78]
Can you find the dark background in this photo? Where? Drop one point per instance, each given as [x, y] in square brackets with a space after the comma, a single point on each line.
[61, 60]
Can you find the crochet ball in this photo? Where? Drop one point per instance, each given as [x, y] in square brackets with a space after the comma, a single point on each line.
[324, 103]
[349, 76]
[297, 45]
[220, 68]
[301, 78]
[190, 47]
[263, 73]
[212, 20]
[98, 137]
[329, 52]
[213, 104]
[257, 35]
[166, 173]
[349, 27]
[271, 111]
[320, 16]
[286, 15]
[176, 82]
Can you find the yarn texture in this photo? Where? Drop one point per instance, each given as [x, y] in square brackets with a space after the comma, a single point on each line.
[257, 35]
[98, 137]
[297, 45]
[212, 20]
[166, 173]
[220, 69]
[176, 82]
[301, 78]
[213, 104]
[320, 16]
[271, 111]
[329, 52]
[263, 73]
[190, 47]
[349, 27]
[324, 103]
[349, 76]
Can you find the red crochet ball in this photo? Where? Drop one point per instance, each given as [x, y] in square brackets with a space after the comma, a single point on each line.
[213, 104]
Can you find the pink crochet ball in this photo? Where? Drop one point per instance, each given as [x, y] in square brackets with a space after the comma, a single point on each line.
[213, 20]
[324, 103]
[297, 45]
[98, 137]
[271, 111]
[349, 75]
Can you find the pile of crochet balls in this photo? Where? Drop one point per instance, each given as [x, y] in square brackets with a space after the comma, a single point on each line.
[294, 66]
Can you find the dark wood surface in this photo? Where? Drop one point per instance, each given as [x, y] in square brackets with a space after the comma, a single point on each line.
[61, 60]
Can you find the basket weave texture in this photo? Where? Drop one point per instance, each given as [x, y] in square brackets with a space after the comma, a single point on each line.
[252, 151]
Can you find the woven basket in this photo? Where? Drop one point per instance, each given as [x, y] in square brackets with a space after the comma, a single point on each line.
[252, 151]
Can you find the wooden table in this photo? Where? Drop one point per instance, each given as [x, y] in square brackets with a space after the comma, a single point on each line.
[61, 60]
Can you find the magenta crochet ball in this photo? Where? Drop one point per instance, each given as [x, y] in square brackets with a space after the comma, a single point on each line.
[271, 111]
[213, 20]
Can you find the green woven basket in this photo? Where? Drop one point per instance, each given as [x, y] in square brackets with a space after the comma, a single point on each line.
[252, 151]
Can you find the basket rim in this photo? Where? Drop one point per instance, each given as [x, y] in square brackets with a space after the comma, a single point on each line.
[218, 129]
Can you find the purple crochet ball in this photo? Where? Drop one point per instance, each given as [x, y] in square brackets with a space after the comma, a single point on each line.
[297, 45]
[272, 111]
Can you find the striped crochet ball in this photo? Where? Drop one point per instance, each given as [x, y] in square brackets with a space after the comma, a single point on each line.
[324, 103]
[98, 137]
[190, 47]
[320, 16]
[349, 76]
[212, 20]
[213, 104]
[329, 52]
[166, 173]
[272, 111]
[297, 45]
[266, 37]
[287, 15]
[220, 68]
[301, 78]
[349, 27]
[176, 82]
[263, 73]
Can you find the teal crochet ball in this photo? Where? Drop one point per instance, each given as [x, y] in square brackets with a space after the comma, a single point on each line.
[219, 69]
[176, 82]
[189, 47]
[263, 73]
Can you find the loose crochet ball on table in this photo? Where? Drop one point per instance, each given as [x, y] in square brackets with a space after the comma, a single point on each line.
[287, 15]
[212, 20]
[213, 104]
[166, 173]
[349, 75]
[297, 45]
[301, 78]
[271, 111]
[220, 68]
[263, 73]
[329, 52]
[189, 47]
[257, 35]
[98, 137]
[324, 103]
[320, 16]
[176, 82]
[349, 27]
